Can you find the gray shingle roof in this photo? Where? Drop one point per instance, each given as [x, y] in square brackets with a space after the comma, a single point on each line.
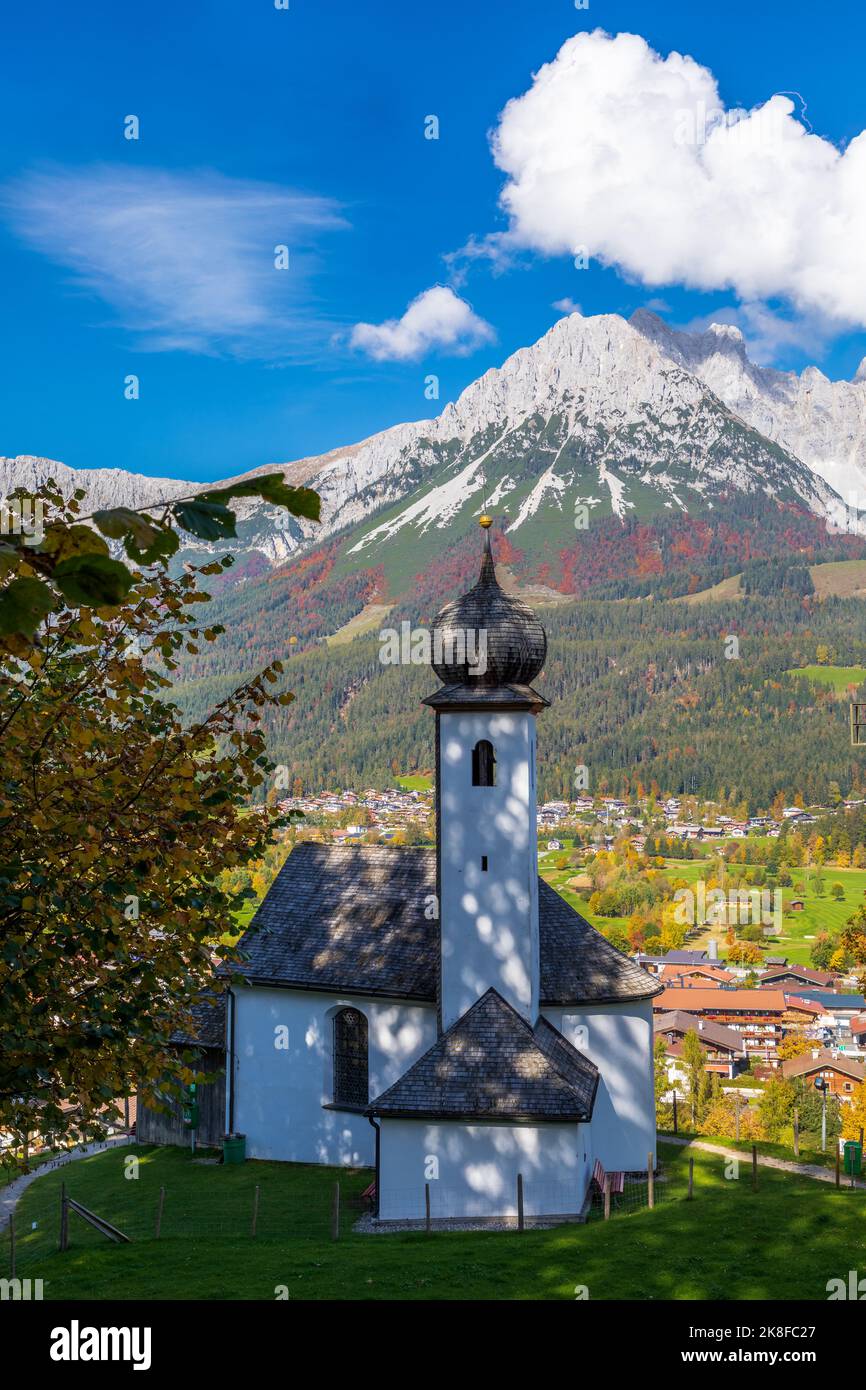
[356, 918]
[516, 643]
[208, 1023]
[492, 1065]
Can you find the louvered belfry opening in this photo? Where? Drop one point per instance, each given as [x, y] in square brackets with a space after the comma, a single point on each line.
[351, 1083]
[483, 764]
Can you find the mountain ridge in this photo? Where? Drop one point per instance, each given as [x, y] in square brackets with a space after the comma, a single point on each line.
[602, 417]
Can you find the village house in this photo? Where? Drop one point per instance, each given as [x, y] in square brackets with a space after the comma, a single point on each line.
[844, 1076]
[706, 976]
[761, 1016]
[656, 964]
[795, 976]
[723, 1047]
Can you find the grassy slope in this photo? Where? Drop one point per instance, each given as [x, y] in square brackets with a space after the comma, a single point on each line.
[839, 578]
[729, 1243]
[798, 928]
[839, 677]
[833, 579]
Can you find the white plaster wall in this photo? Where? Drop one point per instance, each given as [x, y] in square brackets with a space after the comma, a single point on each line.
[618, 1038]
[280, 1091]
[477, 1168]
[489, 921]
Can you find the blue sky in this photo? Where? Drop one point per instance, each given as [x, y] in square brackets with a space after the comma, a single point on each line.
[262, 127]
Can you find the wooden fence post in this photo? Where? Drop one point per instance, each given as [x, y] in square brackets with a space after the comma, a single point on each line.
[796, 1132]
[838, 1167]
[427, 1207]
[691, 1179]
[159, 1208]
[651, 1181]
[255, 1211]
[607, 1196]
[520, 1201]
[335, 1213]
[675, 1112]
[754, 1167]
[64, 1219]
[12, 1244]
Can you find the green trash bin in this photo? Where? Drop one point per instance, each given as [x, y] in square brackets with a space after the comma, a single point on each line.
[853, 1158]
[234, 1148]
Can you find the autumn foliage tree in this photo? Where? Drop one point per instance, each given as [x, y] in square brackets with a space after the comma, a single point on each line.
[116, 824]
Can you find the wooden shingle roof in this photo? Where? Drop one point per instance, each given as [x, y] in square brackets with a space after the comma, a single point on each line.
[491, 1065]
[362, 919]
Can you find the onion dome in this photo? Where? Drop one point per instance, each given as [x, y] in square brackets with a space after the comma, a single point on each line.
[487, 638]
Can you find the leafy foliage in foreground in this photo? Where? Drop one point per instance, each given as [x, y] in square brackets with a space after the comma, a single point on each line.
[69, 562]
[116, 821]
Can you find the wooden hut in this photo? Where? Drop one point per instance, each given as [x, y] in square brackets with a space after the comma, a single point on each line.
[167, 1126]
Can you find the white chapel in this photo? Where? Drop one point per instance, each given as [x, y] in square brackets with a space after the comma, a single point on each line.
[442, 1015]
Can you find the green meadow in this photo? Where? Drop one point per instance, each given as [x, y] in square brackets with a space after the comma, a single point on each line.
[728, 1243]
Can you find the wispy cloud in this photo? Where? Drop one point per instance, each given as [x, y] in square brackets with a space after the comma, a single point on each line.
[186, 261]
[567, 305]
[437, 320]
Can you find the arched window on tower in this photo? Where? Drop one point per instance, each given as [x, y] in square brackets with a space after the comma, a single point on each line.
[351, 1084]
[483, 764]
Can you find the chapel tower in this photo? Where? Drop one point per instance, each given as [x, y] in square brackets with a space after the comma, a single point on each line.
[487, 649]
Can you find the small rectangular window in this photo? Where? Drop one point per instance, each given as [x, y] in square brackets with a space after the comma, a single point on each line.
[484, 863]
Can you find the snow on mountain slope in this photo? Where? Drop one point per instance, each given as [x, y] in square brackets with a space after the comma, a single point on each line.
[823, 422]
[624, 417]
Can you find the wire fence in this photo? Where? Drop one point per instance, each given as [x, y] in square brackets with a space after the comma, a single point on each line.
[35, 1247]
[244, 1205]
[66, 1219]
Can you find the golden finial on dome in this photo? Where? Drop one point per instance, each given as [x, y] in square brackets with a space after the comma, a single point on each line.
[485, 521]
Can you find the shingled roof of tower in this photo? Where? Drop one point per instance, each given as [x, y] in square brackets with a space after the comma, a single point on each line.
[362, 919]
[491, 1064]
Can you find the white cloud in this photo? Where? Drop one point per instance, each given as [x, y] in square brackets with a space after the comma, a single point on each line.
[566, 305]
[437, 320]
[186, 261]
[631, 156]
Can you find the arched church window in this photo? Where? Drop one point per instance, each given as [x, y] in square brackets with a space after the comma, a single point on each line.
[483, 764]
[351, 1085]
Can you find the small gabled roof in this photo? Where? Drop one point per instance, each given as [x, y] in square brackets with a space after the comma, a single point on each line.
[678, 1021]
[361, 919]
[819, 978]
[677, 958]
[492, 1065]
[825, 1061]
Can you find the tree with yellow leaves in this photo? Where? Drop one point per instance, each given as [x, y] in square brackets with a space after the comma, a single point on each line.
[854, 1115]
[793, 1045]
[117, 820]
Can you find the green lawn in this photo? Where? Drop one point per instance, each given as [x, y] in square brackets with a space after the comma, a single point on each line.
[784, 1242]
[840, 677]
[415, 783]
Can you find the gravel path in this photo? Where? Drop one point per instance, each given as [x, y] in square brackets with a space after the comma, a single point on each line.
[9, 1195]
[808, 1170]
